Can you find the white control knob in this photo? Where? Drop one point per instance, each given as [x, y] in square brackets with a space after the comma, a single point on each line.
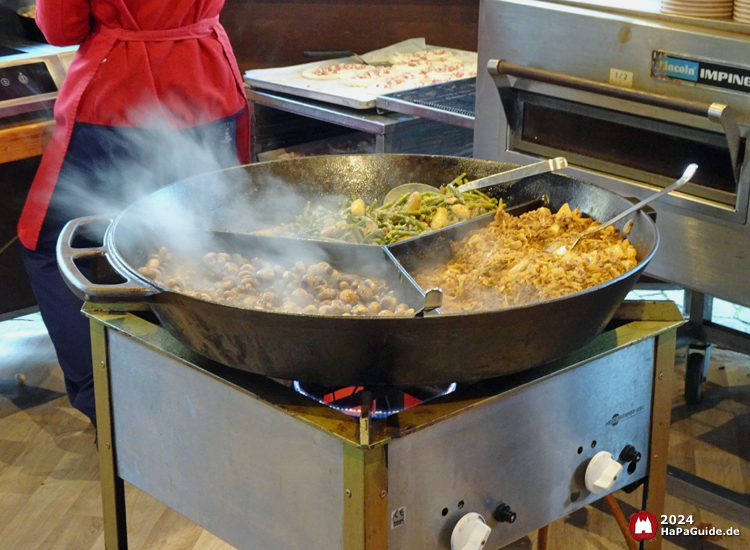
[602, 472]
[470, 533]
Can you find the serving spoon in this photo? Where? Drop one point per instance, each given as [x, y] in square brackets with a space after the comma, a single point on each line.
[689, 172]
[535, 169]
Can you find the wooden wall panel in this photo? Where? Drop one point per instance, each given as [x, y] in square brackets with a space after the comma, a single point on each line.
[275, 33]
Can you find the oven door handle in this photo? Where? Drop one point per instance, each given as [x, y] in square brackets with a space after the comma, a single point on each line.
[715, 112]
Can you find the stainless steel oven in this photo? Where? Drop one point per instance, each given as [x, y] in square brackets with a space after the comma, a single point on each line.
[629, 98]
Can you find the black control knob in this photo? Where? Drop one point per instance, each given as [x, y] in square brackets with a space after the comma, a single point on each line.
[504, 514]
[629, 454]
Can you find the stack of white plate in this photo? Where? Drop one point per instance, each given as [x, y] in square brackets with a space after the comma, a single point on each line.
[708, 9]
[742, 11]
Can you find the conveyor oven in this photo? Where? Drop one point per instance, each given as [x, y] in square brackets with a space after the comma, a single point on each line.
[629, 99]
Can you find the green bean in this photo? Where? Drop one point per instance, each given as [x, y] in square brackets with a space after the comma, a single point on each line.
[401, 200]
[457, 194]
[404, 233]
[459, 180]
[421, 225]
[392, 220]
[373, 236]
[356, 220]
[482, 195]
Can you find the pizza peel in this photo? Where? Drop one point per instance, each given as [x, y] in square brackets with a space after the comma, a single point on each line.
[336, 54]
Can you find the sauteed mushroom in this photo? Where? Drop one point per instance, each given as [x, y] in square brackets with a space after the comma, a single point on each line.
[253, 283]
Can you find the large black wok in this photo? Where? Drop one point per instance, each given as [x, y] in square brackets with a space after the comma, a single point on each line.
[350, 350]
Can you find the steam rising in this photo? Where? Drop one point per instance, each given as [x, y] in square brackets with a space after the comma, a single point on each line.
[110, 168]
[118, 166]
[178, 189]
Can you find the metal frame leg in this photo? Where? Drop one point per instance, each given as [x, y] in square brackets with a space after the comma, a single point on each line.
[113, 487]
[701, 329]
[253, 132]
[365, 498]
[698, 306]
[380, 144]
[654, 491]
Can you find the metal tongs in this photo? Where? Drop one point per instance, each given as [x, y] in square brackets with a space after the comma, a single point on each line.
[536, 169]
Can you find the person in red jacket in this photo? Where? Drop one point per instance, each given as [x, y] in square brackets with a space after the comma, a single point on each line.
[152, 95]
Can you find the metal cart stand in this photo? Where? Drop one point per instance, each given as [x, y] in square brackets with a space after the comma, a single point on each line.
[392, 132]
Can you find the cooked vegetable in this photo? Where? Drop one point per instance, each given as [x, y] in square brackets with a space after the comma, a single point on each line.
[358, 208]
[413, 202]
[440, 219]
[409, 215]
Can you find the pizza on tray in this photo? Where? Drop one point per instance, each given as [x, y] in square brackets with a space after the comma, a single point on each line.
[407, 70]
[334, 72]
[423, 57]
[395, 84]
[368, 78]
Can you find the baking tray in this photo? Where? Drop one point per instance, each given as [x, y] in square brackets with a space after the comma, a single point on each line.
[289, 80]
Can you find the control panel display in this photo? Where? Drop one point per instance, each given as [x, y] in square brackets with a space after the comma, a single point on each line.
[25, 80]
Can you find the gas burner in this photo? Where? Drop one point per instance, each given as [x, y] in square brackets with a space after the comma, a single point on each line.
[385, 400]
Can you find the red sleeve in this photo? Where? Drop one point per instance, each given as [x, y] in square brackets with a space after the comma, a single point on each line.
[64, 22]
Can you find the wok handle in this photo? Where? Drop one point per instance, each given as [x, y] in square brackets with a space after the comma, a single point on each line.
[715, 112]
[67, 255]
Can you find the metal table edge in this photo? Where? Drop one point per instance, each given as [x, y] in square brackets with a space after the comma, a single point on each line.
[430, 113]
[351, 118]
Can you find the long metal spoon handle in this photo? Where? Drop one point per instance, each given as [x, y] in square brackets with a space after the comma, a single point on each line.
[689, 172]
[535, 169]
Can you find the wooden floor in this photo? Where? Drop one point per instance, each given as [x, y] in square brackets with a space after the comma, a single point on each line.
[49, 485]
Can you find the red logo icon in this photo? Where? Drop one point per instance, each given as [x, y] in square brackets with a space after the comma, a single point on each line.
[643, 525]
